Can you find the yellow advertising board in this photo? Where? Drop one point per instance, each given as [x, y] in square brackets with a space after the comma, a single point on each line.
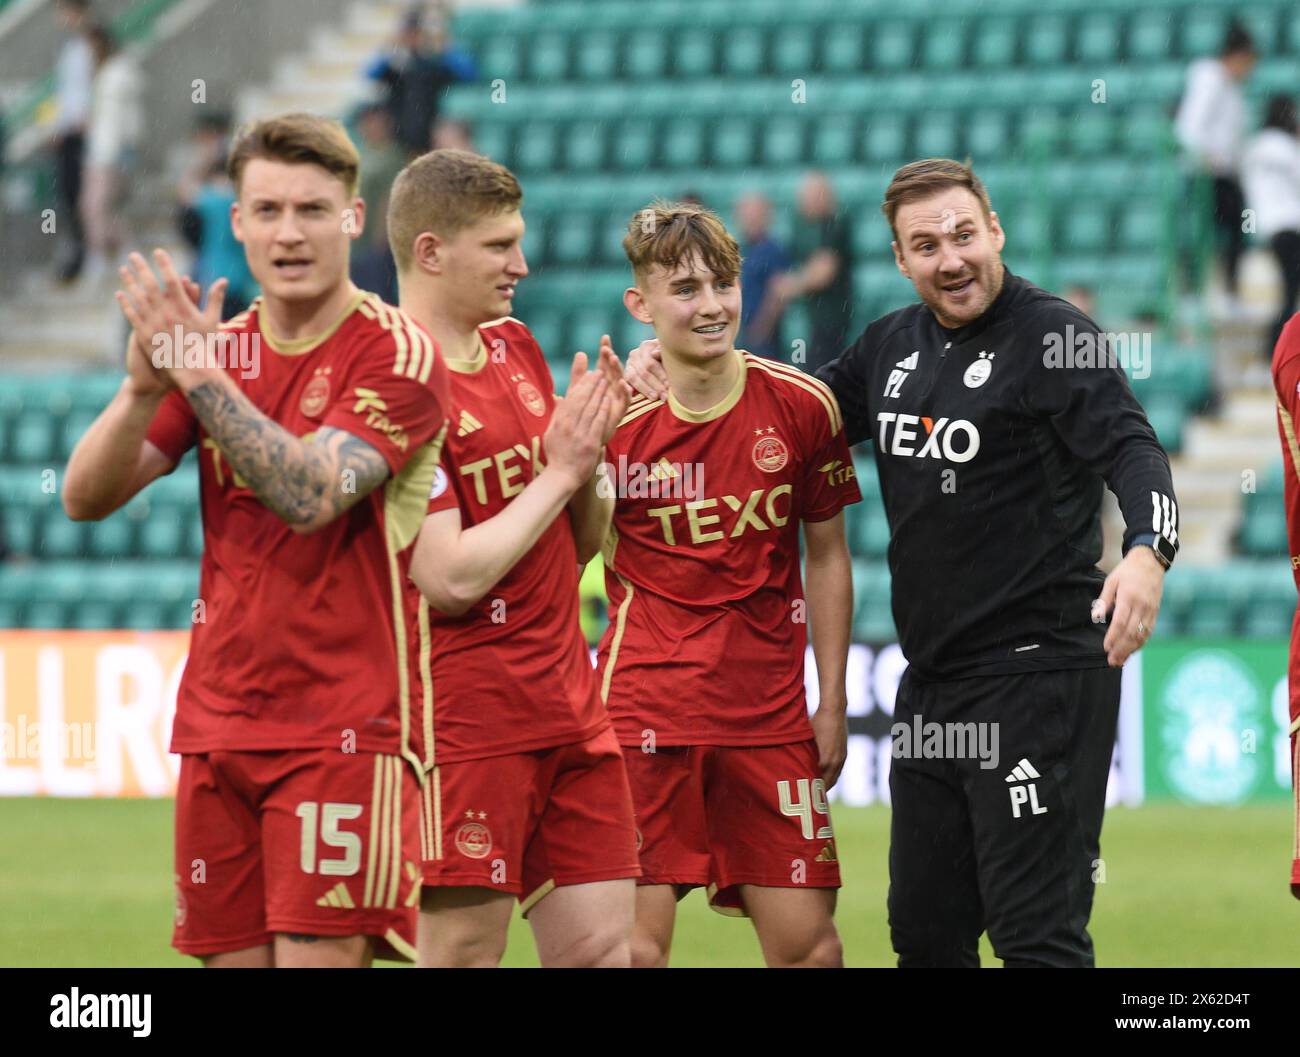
[89, 713]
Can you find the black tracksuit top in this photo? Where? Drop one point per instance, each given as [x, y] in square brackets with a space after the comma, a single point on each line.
[992, 443]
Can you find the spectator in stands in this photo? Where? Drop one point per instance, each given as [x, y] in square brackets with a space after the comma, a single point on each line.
[74, 73]
[415, 72]
[1211, 127]
[116, 127]
[1083, 297]
[218, 253]
[452, 134]
[208, 142]
[762, 261]
[822, 246]
[382, 158]
[1270, 174]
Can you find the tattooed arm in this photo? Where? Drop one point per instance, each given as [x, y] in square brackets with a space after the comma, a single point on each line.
[306, 483]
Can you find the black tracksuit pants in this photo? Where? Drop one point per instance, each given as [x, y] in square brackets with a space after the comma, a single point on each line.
[1011, 849]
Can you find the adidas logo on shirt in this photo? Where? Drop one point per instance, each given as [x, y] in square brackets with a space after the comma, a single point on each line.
[910, 363]
[1024, 794]
[899, 374]
[468, 424]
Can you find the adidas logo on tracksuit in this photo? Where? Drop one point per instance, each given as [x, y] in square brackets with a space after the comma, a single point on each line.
[1024, 794]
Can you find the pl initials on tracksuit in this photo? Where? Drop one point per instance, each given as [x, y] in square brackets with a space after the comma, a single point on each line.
[993, 455]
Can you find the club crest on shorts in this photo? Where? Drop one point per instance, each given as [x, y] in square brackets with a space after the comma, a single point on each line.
[316, 393]
[770, 453]
[978, 372]
[473, 838]
[531, 398]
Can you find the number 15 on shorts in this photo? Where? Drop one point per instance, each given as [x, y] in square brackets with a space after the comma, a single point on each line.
[328, 816]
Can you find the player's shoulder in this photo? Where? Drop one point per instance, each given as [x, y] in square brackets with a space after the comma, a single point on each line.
[808, 399]
[245, 322]
[1287, 348]
[640, 409]
[507, 328]
[388, 334]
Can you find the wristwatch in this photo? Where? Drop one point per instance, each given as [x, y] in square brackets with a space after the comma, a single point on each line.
[1164, 550]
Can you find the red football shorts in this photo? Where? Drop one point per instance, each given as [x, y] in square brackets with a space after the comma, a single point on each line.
[533, 821]
[728, 816]
[313, 841]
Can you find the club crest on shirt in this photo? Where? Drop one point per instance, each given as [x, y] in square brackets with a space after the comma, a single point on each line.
[439, 483]
[770, 453]
[473, 838]
[531, 398]
[316, 393]
[978, 372]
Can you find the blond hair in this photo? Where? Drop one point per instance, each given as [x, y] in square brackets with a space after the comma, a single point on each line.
[446, 191]
[668, 233]
[297, 139]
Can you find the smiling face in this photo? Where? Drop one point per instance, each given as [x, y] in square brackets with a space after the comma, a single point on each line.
[295, 224]
[695, 313]
[479, 266]
[952, 254]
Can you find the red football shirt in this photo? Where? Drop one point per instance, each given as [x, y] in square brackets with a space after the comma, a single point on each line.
[1286, 382]
[513, 674]
[708, 629]
[304, 641]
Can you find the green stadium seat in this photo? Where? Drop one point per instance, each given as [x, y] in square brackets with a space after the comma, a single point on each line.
[835, 141]
[995, 43]
[742, 53]
[630, 332]
[1091, 132]
[585, 146]
[733, 143]
[1142, 226]
[1047, 41]
[1150, 36]
[646, 58]
[783, 139]
[60, 537]
[1263, 532]
[571, 238]
[1098, 38]
[163, 534]
[11, 615]
[936, 136]
[114, 537]
[1202, 34]
[596, 57]
[43, 614]
[987, 135]
[1262, 22]
[195, 536]
[794, 52]
[885, 138]
[693, 54]
[493, 141]
[501, 56]
[1167, 417]
[892, 45]
[843, 48]
[92, 615]
[32, 439]
[1085, 227]
[683, 144]
[548, 58]
[634, 145]
[943, 44]
[536, 149]
[144, 615]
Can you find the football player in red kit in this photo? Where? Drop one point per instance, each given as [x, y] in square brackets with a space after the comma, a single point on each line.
[318, 416]
[702, 666]
[527, 797]
[1286, 383]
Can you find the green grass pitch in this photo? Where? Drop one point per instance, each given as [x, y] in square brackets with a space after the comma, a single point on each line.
[88, 883]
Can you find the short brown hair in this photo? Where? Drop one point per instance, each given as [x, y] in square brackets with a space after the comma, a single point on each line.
[446, 191]
[667, 233]
[298, 139]
[921, 179]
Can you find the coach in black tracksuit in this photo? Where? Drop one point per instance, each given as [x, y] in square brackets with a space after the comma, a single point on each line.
[993, 443]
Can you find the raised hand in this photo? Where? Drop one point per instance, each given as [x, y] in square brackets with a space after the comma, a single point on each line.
[158, 309]
[574, 439]
[620, 392]
[645, 370]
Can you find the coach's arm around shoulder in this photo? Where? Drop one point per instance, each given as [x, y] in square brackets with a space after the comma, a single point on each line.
[453, 566]
[1094, 412]
[828, 585]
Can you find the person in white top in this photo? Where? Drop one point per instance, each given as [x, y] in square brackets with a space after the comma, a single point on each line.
[1211, 127]
[73, 71]
[116, 125]
[1270, 173]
